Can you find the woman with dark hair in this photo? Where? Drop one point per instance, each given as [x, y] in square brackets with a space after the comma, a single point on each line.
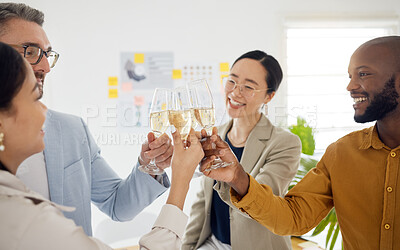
[270, 154]
[28, 220]
[21, 113]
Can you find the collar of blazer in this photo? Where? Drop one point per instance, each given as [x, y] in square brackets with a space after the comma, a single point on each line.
[255, 143]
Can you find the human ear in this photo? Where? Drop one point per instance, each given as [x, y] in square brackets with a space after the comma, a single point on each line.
[269, 97]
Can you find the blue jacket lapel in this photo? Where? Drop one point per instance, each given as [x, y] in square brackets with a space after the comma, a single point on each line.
[53, 154]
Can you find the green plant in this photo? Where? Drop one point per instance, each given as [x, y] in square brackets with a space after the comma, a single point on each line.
[306, 135]
[334, 228]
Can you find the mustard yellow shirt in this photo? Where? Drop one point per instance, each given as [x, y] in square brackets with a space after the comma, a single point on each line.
[358, 175]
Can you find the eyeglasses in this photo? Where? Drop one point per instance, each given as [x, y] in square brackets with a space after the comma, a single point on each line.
[35, 54]
[245, 89]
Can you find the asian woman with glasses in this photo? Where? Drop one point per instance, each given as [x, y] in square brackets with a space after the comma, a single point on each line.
[270, 154]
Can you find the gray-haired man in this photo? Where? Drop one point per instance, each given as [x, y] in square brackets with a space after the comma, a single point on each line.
[71, 170]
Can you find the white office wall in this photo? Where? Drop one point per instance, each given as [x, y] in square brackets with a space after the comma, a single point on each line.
[90, 35]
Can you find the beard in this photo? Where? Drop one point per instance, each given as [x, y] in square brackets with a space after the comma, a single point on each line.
[381, 105]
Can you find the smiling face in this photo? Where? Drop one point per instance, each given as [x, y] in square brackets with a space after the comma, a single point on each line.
[21, 32]
[248, 72]
[374, 85]
[22, 124]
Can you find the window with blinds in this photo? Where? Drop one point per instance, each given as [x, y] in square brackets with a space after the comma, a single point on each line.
[317, 57]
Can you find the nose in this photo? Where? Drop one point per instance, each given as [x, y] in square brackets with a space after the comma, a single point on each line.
[236, 90]
[353, 85]
[42, 66]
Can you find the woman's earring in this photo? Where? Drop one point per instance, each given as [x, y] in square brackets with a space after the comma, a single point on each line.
[1, 142]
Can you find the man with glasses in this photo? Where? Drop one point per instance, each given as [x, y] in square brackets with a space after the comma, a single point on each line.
[71, 170]
[35, 54]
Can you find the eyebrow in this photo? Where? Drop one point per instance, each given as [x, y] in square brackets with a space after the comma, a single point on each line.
[37, 45]
[246, 79]
[362, 66]
[252, 81]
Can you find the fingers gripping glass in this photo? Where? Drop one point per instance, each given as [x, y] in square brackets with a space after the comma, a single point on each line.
[34, 54]
[246, 90]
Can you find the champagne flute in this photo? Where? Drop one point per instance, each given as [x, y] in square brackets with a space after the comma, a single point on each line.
[158, 123]
[204, 112]
[192, 99]
[179, 114]
[202, 103]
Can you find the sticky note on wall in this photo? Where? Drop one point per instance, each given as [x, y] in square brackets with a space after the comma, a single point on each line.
[126, 87]
[176, 74]
[112, 81]
[138, 100]
[224, 67]
[139, 58]
[113, 93]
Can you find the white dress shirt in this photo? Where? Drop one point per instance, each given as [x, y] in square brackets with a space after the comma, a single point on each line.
[32, 172]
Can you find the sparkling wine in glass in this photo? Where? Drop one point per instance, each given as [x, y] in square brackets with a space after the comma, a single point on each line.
[158, 123]
[180, 113]
[202, 102]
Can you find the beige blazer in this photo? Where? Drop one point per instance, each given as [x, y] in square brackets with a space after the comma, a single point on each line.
[29, 221]
[272, 156]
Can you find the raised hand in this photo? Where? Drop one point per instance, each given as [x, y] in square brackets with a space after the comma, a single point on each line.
[184, 163]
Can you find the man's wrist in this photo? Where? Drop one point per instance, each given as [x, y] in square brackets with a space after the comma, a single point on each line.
[240, 182]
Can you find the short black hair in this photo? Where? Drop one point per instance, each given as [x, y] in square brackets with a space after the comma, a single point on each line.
[270, 64]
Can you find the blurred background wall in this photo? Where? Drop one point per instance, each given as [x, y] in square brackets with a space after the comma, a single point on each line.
[90, 35]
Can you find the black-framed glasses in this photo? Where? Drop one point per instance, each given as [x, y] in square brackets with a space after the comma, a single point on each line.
[246, 90]
[34, 54]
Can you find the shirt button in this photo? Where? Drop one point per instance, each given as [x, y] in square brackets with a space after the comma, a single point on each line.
[387, 226]
[393, 154]
[389, 189]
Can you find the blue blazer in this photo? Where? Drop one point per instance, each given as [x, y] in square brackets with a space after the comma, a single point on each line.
[77, 175]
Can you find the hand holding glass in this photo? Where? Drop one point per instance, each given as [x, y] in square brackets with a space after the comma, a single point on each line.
[158, 124]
